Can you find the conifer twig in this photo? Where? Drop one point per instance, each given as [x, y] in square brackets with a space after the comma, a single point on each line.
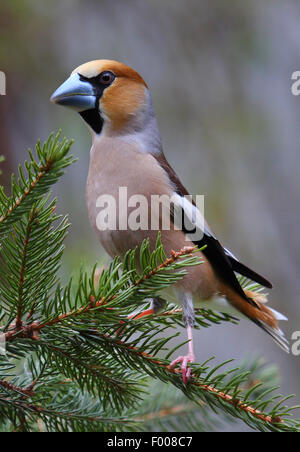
[32, 218]
[31, 330]
[28, 392]
[208, 388]
[43, 170]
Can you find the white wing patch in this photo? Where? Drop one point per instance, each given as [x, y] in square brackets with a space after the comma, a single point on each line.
[193, 222]
[196, 217]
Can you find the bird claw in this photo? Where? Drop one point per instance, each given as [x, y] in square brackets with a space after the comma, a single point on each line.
[185, 371]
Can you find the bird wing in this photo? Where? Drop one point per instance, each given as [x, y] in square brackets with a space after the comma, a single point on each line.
[222, 260]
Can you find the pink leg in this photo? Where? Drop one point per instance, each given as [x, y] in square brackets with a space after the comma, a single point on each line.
[189, 358]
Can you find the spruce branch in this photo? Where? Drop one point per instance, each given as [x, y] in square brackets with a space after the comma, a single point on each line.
[86, 365]
[43, 170]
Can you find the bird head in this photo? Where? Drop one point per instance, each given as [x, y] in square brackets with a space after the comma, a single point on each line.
[107, 94]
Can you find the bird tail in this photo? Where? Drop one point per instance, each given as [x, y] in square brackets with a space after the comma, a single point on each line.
[265, 317]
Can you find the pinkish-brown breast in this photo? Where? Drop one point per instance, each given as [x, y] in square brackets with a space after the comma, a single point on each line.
[115, 164]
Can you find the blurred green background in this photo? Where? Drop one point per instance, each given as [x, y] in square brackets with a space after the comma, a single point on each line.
[220, 77]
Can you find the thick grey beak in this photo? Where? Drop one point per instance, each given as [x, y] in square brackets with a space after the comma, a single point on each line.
[76, 94]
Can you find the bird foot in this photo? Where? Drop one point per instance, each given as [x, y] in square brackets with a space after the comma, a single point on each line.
[185, 371]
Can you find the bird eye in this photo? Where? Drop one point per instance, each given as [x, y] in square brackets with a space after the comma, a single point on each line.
[106, 77]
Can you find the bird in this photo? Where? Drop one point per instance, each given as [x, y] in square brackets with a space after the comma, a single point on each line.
[115, 102]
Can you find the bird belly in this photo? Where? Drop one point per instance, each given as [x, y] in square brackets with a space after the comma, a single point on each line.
[138, 174]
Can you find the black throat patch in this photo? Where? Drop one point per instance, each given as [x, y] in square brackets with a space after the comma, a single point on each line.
[93, 118]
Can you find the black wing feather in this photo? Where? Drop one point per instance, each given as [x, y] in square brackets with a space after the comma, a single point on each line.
[251, 274]
[215, 254]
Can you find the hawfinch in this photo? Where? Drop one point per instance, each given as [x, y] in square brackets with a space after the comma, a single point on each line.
[126, 152]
